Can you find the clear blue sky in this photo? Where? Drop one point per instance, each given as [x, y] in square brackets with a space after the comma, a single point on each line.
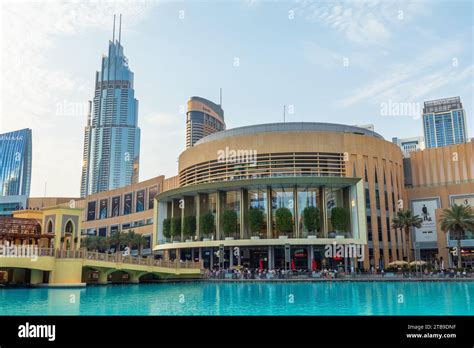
[333, 61]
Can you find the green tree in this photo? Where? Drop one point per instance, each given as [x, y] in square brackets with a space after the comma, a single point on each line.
[256, 220]
[229, 222]
[283, 220]
[405, 220]
[167, 228]
[189, 228]
[207, 224]
[458, 221]
[91, 243]
[176, 227]
[139, 241]
[115, 239]
[311, 218]
[339, 218]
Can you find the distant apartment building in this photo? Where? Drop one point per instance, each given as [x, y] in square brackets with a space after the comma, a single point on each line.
[444, 122]
[112, 137]
[410, 144]
[203, 117]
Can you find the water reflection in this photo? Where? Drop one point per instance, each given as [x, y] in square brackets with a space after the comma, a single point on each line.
[247, 298]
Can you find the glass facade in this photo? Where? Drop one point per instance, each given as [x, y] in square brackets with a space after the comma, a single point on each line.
[15, 163]
[112, 137]
[444, 123]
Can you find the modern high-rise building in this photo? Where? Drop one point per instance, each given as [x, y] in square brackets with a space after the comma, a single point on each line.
[15, 163]
[202, 118]
[112, 137]
[409, 144]
[444, 122]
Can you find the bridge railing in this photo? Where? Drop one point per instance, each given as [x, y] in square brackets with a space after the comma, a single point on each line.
[119, 258]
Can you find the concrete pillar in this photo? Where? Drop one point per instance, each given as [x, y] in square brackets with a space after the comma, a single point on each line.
[19, 275]
[211, 256]
[219, 208]
[271, 257]
[310, 256]
[103, 277]
[192, 254]
[197, 202]
[269, 213]
[295, 213]
[200, 254]
[231, 257]
[324, 220]
[36, 276]
[243, 213]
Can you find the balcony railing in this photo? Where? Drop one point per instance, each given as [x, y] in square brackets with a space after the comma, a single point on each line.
[119, 258]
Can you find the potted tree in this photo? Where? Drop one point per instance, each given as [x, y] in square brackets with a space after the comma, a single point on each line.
[283, 222]
[339, 220]
[189, 228]
[255, 222]
[176, 228]
[311, 220]
[229, 223]
[167, 228]
[207, 225]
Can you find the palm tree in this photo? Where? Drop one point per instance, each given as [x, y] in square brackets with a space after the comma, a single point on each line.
[139, 241]
[457, 220]
[404, 221]
[115, 240]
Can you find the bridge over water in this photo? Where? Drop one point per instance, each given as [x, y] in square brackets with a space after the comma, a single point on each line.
[77, 267]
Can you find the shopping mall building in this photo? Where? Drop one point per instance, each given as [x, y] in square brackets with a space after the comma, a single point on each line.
[285, 165]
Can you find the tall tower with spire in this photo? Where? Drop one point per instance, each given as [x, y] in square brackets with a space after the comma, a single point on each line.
[112, 137]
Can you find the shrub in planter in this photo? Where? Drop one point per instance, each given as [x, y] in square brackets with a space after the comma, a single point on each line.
[167, 228]
[283, 220]
[256, 220]
[176, 227]
[339, 219]
[207, 224]
[189, 228]
[311, 218]
[229, 222]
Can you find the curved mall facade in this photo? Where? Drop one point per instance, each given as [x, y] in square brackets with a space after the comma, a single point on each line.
[293, 166]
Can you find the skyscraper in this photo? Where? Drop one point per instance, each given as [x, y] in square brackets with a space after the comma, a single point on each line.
[202, 118]
[15, 163]
[112, 137]
[444, 122]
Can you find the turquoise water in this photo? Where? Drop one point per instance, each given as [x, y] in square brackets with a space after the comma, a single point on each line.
[246, 298]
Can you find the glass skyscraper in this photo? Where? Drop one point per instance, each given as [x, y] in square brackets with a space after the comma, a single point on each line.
[15, 163]
[112, 137]
[444, 122]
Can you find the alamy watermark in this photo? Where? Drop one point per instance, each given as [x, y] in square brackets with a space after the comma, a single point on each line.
[344, 250]
[28, 251]
[392, 108]
[237, 156]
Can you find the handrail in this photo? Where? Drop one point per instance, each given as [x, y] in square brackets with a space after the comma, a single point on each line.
[118, 258]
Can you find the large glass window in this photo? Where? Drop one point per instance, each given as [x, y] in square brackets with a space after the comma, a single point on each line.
[309, 200]
[257, 199]
[232, 203]
[338, 212]
[283, 201]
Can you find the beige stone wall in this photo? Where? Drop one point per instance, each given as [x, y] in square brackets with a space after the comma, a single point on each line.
[375, 154]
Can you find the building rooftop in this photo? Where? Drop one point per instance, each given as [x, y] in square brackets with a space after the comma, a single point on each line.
[288, 127]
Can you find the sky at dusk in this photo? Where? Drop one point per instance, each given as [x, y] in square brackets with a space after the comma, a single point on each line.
[351, 62]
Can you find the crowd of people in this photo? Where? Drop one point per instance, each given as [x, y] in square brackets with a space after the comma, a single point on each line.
[326, 273]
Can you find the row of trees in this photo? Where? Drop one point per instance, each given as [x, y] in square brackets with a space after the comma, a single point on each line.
[256, 219]
[457, 220]
[117, 239]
